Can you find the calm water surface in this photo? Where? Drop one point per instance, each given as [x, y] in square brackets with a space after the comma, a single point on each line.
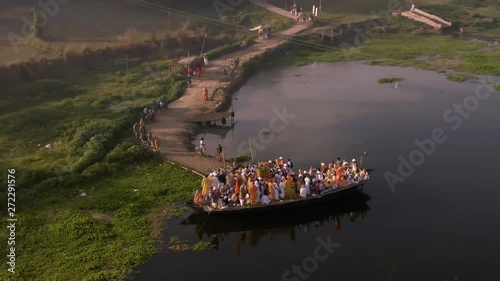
[442, 222]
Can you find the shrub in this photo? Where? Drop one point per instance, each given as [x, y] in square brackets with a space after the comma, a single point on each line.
[101, 168]
[94, 150]
[103, 276]
[29, 178]
[177, 90]
[127, 153]
[93, 127]
[64, 181]
[242, 158]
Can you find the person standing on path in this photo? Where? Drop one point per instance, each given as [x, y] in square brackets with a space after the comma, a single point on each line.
[136, 131]
[205, 94]
[156, 147]
[205, 60]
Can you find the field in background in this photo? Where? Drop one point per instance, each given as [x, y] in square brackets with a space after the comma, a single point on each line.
[466, 12]
[95, 24]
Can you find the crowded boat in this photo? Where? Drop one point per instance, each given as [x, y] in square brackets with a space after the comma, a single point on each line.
[275, 181]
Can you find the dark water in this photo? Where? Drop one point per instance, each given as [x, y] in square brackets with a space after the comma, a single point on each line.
[442, 222]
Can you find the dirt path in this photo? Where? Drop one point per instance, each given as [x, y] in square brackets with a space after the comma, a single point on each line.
[170, 125]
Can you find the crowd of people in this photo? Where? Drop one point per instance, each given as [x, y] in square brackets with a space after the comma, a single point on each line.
[299, 14]
[148, 114]
[274, 181]
[193, 69]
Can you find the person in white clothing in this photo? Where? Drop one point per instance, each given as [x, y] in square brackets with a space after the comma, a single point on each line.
[205, 60]
[276, 191]
[215, 180]
[350, 180]
[282, 188]
[307, 185]
[265, 200]
[303, 192]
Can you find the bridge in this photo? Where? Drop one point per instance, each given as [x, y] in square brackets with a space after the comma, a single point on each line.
[421, 16]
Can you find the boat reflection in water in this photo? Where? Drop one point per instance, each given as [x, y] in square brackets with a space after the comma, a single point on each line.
[254, 228]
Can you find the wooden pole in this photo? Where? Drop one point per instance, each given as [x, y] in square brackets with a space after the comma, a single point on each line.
[203, 45]
[331, 32]
[323, 34]
[222, 154]
[126, 62]
[251, 152]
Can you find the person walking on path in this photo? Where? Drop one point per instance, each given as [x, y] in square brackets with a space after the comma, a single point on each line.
[156, 147]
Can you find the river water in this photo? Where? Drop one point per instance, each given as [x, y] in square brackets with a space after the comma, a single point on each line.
[434, 217]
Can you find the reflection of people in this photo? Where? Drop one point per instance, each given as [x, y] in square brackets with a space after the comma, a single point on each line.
[336, 223]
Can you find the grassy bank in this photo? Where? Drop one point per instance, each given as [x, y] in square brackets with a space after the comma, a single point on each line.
[101, 236]
[85, 116]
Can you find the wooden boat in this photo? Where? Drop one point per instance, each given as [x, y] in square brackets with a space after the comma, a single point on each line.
[282, 204]
[354, 204]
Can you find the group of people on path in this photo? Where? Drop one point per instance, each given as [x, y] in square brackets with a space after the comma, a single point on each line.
[300, 15]
[139, 127]
[275, 181]
[194, 69]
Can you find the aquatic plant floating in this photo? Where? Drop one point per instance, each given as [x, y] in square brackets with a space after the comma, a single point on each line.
[387, 80]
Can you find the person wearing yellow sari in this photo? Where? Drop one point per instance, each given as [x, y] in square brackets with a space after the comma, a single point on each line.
[270, 188]
[206, 182]
[293, 189]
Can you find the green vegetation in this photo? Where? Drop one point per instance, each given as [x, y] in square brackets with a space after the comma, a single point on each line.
[480, 62]
[176, 244]
[497, 87]
[202, 246]
[458, 77]
[101, 235]
[242, 158]
[388, 80]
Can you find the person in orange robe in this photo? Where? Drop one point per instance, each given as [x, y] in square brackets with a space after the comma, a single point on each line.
[288, 187]
[252, 190]
[205, 94]
[237, 185]
[270, 188]
[338, 176]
